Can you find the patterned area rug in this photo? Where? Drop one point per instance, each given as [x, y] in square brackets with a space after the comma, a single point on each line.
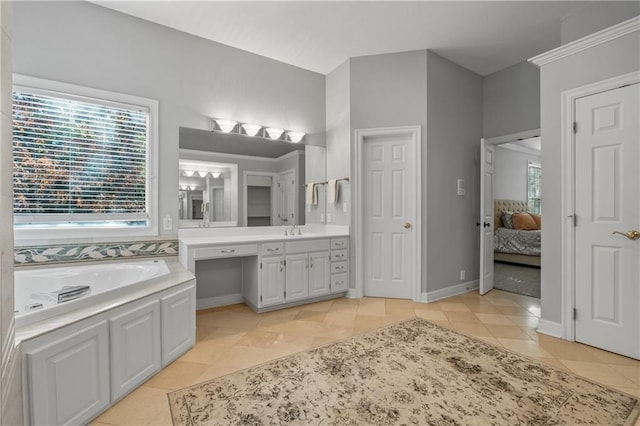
[413, 372]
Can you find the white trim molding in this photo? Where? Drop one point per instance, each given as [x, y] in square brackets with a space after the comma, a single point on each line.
[584, 43]
[550, 328]
[414, 132]
[454, 290]
[568, 189]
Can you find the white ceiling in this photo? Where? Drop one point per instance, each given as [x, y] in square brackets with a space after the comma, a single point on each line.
[481, 36]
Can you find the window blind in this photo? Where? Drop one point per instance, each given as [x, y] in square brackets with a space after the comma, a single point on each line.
[78, 160]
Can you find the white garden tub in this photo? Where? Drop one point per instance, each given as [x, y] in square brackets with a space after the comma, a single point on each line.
[108, 280]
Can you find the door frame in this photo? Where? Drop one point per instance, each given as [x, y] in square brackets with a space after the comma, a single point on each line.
[245, 195]
[360, 135]
[568, 189]
[495, 142]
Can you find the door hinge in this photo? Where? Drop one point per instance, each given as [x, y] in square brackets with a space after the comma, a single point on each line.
[285, 263]
[285, 294]
[575, 127]
[574, 219]
[575, 314]
[260, 299]
[260, 265]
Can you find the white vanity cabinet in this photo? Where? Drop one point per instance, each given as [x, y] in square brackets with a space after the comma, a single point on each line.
[74, 373]
[135, 346]
[69, 375]
[272, 281]
[339, 265]
[292, 272]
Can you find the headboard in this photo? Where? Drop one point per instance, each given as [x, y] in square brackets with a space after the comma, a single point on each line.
[500, 206]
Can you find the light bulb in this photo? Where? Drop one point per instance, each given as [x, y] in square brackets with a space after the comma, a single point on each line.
[251, 129]
[202, 174]
[226, 125]
[215, 175]
[188, 173]
[274, 132]
[295, 137]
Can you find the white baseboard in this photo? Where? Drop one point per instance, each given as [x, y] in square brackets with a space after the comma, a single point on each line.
[454, 290]
[352, 293]
[214, 302]
[550, 328]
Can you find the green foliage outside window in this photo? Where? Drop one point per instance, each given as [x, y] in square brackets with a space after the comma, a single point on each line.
[75, 157]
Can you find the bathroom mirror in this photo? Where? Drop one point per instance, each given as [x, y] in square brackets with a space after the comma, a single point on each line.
[269, 188]
[207, 193]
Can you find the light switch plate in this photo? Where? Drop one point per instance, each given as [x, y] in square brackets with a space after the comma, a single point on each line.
[461, 187]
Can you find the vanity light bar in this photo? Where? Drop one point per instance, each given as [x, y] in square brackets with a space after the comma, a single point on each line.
[254, 130]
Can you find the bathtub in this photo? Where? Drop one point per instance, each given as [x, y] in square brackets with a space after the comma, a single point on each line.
[108, 280]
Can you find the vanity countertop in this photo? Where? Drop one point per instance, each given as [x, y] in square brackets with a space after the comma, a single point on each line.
[215, 236]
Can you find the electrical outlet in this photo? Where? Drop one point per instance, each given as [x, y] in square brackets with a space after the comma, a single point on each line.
[167, 222]
[321, 217]
[344, 207]
[461, 187]
[328, 217]
[463, 274]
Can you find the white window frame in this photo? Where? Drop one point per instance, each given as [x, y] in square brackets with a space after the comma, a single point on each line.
[98, 232]
[539, 166]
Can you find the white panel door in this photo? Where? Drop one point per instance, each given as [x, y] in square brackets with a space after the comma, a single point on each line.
[388, 206]
[287, 198]
[70, 378]
[607, 200]
[272, 280]
[487, 158]
[319, 271]
[135, 347]
[297, 276]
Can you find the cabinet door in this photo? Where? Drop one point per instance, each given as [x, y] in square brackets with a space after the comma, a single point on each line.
[135, 347]
[272, 280]
[319, 270]
[69, 378]
[178, 319]
[297, 279]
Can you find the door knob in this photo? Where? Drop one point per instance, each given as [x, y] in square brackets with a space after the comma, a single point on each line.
[632, 235]
[407, 225]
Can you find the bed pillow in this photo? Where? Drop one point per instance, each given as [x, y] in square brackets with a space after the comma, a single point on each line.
[538, 219]
[523, 222]
[507, 220]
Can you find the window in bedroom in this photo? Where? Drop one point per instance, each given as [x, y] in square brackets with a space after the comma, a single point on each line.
[534, 172]
[83, 161]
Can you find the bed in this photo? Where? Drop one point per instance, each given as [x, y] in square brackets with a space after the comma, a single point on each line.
[513, 245]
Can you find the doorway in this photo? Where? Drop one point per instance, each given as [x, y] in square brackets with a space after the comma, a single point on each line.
[387, 215]
[511, 213]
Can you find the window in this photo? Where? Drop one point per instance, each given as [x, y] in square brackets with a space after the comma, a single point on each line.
[534, 172]
[83, 163]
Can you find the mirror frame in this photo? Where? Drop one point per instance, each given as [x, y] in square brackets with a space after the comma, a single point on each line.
[206, 156]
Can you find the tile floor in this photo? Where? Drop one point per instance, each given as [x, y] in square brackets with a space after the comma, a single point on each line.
[234, 337]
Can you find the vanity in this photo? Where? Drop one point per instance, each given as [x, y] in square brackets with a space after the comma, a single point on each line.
[276, 270]
[240, 198]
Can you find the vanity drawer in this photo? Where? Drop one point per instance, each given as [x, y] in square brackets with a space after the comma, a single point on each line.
[306, 246]
[339, 282]
[337, 255]
[226, 251]
[339, 243]
[338, 267]
[270, 249]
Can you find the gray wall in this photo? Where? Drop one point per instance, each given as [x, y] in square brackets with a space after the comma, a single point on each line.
[595, 17]
[511, 100]
[454, 129]
[510, 174]
[391, 90]
[194, 79]
[338, 111]
[617, 57]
